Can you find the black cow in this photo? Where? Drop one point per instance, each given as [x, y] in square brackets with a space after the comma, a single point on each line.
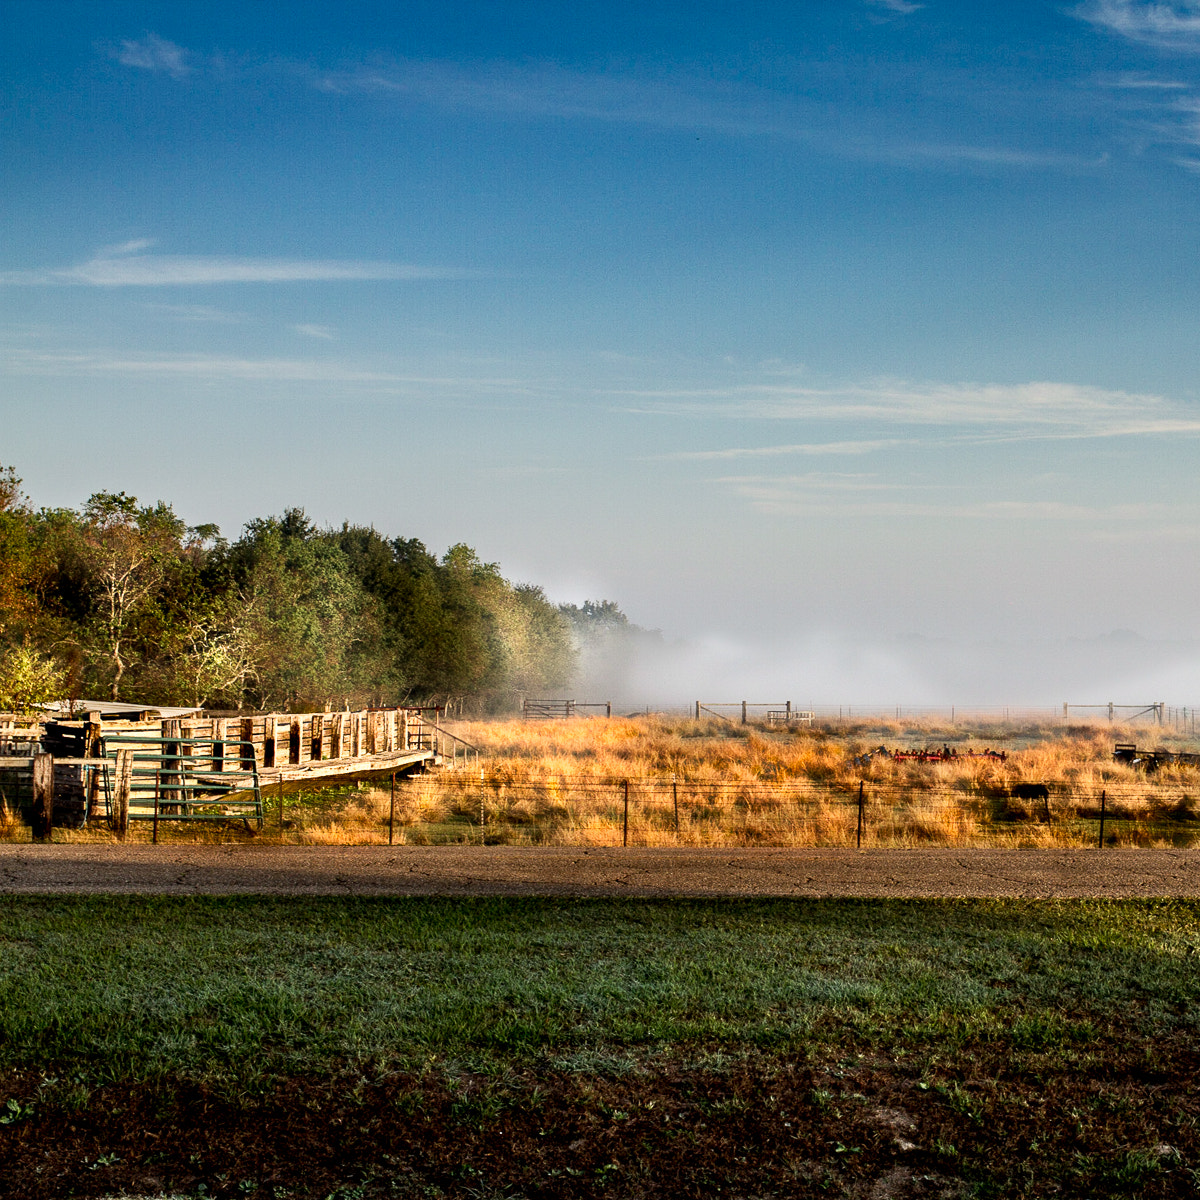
[1034, 792]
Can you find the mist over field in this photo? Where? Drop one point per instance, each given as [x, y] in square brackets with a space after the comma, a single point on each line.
[815, 671]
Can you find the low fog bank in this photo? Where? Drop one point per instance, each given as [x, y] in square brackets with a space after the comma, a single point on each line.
[634, 669]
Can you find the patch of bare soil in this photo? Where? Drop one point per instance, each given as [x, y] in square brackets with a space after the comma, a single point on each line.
[1119, 1121]
[265, 869]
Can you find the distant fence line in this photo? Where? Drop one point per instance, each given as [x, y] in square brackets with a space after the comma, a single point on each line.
[548, 710]
[1180, 718]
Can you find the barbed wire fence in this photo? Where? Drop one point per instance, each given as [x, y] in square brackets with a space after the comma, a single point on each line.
[796, 813]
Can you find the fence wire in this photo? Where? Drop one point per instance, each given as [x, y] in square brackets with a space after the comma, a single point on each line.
[794, 813]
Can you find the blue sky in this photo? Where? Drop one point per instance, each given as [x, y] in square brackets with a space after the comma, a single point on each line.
[783, 325]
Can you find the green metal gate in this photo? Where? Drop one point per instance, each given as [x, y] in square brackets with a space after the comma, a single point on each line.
[185, 779]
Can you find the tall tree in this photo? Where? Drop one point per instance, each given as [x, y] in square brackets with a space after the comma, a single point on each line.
[19, 559]
[304, 611]
[129, 551]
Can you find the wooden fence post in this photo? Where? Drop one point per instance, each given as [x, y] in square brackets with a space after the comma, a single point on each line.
[217, 749]
[743, 712]
[43, 797]
[122, 784]
[271, 740]
[249, 759]
[92, 747]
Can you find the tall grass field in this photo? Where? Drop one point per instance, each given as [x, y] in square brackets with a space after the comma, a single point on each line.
[660, 781]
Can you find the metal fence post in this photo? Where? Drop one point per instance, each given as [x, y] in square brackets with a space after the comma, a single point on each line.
[157, 792]
[1100, 844]
[861, 789]
[392, 813]
[675, 799]
[625, 830]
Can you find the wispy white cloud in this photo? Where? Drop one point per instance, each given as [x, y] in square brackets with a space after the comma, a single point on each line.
[730, 107]
[999, 411]
[130, 247]
[867, 496]
[203, 314]
[1133, 82]
[822, 481]
[325, 332]
[153, 53]
[1151, 110]
[1172, 26]
[212, 368]
[897, 6]
[801, 448]
[988, 156]
[1154, 532]
[114, 267]
[539, 90]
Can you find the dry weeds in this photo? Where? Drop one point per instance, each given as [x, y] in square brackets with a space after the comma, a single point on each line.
[564, 783]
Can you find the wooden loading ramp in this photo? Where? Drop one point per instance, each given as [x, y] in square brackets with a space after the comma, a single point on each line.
[401, 762]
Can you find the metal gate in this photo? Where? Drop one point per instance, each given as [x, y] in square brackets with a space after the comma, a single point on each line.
[176, 779]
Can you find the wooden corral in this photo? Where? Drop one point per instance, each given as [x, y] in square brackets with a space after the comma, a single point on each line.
[277, 748]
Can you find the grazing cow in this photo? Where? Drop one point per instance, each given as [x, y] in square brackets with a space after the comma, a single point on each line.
[1034, 792]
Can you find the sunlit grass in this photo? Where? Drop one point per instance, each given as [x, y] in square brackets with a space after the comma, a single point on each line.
[239, 988]
[717, 783]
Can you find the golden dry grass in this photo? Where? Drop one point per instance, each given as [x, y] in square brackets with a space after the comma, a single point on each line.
[563, 782]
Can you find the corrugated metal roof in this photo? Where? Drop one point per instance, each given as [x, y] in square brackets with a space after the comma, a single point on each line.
[119, 710]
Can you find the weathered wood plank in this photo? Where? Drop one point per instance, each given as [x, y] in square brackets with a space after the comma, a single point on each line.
[42, 818]
[122, 785]
[218, 750]
[351, 766]
[93, 731]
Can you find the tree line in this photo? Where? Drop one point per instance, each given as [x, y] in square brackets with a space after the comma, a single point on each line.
[125, 601]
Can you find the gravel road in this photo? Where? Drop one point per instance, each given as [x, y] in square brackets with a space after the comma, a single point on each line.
[568, 871]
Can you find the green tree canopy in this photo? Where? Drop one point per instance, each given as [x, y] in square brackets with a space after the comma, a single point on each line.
[125, 599]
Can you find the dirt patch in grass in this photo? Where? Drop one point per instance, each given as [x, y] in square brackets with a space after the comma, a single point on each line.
[362, 1048]
[1118, 1118]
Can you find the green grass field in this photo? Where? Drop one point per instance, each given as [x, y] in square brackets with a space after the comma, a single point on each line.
[243, 987]
[971, 1016]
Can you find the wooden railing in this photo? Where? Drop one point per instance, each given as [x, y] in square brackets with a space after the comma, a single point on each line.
[449, 747]
[275, 740]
